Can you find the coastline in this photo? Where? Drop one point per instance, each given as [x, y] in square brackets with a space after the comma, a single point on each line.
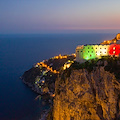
[41, 78]
[30, 85]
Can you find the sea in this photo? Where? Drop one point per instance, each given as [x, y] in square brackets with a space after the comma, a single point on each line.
[18, 53]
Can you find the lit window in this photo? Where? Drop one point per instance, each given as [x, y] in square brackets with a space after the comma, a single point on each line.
[114, 52]
[113, 48]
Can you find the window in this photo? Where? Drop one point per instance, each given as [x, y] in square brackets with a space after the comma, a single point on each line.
[88, 51]
[105, 48]
[100, 52]
[88, 47]
[92, 51]
[96, 47]
[113, 48]
[96, 51]
[100, 48]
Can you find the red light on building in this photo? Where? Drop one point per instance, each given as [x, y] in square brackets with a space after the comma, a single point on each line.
[114, 49]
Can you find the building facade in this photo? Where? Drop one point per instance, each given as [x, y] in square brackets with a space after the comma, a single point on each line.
[88, 52]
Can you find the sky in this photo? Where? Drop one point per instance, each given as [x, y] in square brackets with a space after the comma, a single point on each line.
[52, 16]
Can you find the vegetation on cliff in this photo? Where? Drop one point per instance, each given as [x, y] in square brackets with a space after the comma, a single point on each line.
[111, 64]
[30, 75]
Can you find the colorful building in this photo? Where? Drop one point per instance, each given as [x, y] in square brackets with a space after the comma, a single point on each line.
[88, 52]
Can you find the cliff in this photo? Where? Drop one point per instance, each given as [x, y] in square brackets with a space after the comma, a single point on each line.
[87, 95]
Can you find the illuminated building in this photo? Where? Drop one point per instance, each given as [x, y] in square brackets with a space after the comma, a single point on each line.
[118, 36]
[67, 64]
[114, 49]
[87, 52]
[106, 48]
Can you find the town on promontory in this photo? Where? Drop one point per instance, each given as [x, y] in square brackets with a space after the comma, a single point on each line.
[84, 85]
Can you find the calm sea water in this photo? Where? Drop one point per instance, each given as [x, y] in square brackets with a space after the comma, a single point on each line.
[17, 54]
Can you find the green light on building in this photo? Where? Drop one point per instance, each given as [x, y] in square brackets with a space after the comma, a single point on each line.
[88, 52]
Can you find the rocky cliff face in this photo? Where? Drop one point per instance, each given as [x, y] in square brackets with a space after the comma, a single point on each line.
[87, 96]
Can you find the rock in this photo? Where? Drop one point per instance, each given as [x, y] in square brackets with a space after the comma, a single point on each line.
[87, 96]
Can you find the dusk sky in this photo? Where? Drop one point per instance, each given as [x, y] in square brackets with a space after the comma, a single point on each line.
[49, 16]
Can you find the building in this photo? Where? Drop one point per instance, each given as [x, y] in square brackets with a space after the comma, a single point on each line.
[118, 36]
[88, 52]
